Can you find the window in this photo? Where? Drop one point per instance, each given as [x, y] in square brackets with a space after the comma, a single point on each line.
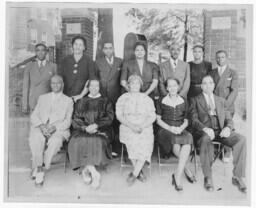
[44, 37]
[33, 36]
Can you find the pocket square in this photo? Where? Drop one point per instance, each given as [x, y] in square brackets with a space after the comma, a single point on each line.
[230, 78]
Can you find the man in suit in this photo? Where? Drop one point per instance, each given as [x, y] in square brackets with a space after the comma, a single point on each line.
[50, 122]
[36, 79]
[226, 86]
[210, 121]
[109, 70]
[175, 68]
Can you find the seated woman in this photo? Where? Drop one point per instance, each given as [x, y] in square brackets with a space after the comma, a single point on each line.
[171, 117]
[136, 113]
[91, 135]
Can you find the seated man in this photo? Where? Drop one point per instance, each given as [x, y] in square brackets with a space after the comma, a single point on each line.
[211, 121]
[50, 122]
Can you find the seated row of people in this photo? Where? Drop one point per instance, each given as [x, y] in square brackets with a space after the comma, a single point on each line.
[91, 131]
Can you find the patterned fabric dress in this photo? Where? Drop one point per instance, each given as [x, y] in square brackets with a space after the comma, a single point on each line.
[173, 116]
[136, 108]
[91, 149]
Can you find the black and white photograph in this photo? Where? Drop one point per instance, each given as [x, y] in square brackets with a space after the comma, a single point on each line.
[128, 103]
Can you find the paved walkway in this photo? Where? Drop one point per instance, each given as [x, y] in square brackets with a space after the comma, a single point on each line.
[68, 187]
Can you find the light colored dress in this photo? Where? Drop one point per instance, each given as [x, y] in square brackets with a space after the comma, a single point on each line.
[137, 108]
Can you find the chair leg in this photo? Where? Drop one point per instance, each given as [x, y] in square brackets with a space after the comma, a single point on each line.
[159, 160]
[121, 162]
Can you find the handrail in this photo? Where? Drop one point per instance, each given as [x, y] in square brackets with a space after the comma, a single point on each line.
[24, 62]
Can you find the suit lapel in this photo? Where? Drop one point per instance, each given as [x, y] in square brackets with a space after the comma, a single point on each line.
[203, 103]
[223, 77]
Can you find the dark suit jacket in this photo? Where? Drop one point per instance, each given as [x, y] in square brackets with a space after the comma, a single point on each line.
[36, 82]
[182, 73]
[226, 86]
[74, 82]
[149, 72]
[110, 78]
[200, 118]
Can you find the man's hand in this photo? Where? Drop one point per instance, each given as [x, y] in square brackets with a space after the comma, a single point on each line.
[76, 98]
[209, 132]
[51, 129]
[44, 130]
[225, 132]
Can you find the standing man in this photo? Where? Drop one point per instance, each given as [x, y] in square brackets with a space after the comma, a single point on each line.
[50, 122]
[36, 79]
[226, 86]
[109, 68]
[210, 121]
[175, 68]
[198, 69]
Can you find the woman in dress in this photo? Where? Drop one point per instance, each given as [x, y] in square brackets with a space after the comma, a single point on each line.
[91, 135]
[172, 135]
[148, 71]
[77, 69]
[136, 113]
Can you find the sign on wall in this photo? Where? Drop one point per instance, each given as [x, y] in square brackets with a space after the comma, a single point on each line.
[73, 28]
[221, 23]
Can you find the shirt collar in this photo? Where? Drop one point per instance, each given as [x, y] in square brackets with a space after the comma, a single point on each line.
[43, 62]
[172, 61]
[96, 96]
[207, 97]
[222, 67]
[111, 61]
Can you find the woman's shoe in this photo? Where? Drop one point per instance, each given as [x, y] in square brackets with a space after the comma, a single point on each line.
[131, 179]
[177, 187]
[141, 177]
[190, 177]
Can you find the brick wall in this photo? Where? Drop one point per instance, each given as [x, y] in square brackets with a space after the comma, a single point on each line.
[222, 31]
[65, 48]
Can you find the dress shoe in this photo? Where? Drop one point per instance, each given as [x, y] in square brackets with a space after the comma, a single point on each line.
[240, 184]
[208, 185]
[33, 174]
[87, 177]
[190, 177]
[39, 178]
[141, 177]
[131, 179]
[177, 187]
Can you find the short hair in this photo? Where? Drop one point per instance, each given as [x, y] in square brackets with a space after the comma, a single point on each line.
[171, 78]
[107, 41]
[79, 37]
[59, 77]
[222, 51]
[135, 77]
[206, 77]
[198, 46]
[140, 43]
[41, 44]
[174, 44]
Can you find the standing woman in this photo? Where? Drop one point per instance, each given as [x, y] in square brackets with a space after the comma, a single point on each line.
[77, 69]
[136, 113]
[172, 135]
[198, 69]
[148, 71]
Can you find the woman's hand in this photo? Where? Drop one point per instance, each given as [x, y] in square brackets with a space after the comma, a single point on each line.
[136, 128]
[175, 130]
[91, 129]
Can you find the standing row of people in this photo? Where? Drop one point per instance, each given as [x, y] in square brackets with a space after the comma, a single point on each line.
[92, 135]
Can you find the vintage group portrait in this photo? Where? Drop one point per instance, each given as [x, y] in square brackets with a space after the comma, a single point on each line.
[134, 103]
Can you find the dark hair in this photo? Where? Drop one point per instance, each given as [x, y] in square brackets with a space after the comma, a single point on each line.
[139, 43]
[41, 44]
[222, 51]
[80, 38]
[170, 78]
[198, 46]
[107, 41]
[94, 79]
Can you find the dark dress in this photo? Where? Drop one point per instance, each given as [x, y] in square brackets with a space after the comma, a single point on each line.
[91, 149]
[197, 72]
[75, 74]
[150, 71]
[173, 116]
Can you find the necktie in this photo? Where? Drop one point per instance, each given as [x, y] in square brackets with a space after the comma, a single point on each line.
[211, 105]
[40, 65]
[221, 71]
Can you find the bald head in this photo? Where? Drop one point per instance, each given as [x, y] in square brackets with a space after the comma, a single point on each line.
[57, 83]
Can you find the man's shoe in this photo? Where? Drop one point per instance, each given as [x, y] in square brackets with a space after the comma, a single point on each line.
[131, 179]
[240, 184]
[208, 184]
[141, 177]
[33, 174]
[39, 178]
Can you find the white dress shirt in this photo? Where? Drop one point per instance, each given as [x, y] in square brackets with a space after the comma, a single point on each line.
[110, 61]
[207, 97]
[174, 63]
[41, 63]
[221, 69]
